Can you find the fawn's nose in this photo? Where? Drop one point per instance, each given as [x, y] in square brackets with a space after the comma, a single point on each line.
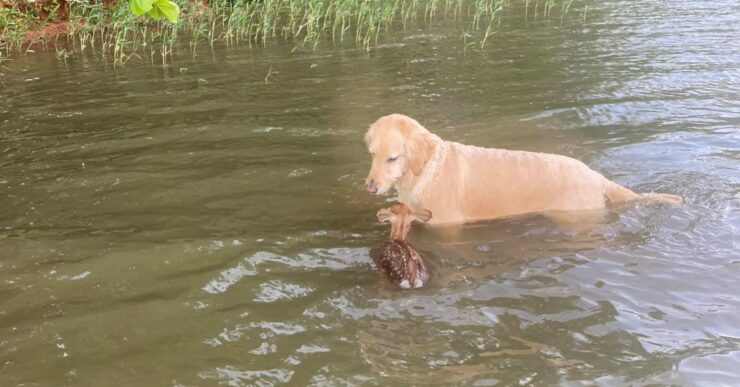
[370, 186]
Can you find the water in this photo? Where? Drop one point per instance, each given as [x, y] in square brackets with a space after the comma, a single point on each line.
[203, 226]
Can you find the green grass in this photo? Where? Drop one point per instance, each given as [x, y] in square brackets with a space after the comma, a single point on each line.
[14, 25]
[114, 32]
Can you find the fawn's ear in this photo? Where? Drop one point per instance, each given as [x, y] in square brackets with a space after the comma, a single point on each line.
[422, 215]
[385, 215]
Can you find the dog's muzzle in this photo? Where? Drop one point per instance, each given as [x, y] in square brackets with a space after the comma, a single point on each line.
[371, 186]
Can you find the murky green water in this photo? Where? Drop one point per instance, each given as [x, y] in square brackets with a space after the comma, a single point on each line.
[205, 227]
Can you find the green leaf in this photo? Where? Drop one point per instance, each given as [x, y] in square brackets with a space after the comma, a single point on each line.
[140, 7]
[164, 9]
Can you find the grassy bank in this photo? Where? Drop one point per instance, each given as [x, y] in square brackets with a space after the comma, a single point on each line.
[110, 28]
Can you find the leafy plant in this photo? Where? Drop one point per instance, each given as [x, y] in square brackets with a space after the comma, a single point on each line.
[156, 9]
[63, 54]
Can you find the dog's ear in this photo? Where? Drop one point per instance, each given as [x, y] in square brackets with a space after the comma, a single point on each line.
[367, 137]
[419, 148]
[385, 215]
[422, 215]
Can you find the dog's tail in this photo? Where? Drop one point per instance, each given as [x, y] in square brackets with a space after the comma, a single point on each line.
[615, 193]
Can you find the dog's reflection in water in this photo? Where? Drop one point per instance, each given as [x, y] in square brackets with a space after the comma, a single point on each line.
[485, 250]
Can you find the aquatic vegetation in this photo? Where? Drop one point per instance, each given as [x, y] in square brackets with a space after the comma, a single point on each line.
[3, 58]
[63, 54]
[119, 30]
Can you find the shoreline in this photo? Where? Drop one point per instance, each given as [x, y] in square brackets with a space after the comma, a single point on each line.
[109, 26]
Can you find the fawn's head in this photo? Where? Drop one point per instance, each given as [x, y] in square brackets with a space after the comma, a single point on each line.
[400, 217]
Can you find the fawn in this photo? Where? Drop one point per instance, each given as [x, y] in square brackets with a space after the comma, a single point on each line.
[401, 263]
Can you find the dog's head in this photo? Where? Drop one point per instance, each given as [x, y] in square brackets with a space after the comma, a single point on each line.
[398, 145]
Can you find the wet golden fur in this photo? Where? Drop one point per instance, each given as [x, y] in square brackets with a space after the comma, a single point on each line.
[461, 183]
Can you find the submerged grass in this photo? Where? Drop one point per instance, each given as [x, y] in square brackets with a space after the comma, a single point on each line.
[110, 29]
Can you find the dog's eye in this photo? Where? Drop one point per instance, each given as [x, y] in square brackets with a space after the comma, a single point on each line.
[392, 159]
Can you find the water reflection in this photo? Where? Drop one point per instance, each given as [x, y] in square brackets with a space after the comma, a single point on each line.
[208, 227]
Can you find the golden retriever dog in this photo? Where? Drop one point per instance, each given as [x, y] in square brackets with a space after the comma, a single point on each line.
[461, 183]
